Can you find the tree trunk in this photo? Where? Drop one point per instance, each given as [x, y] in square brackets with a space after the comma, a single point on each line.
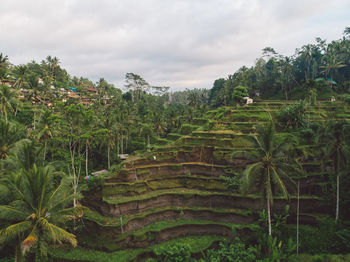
[18, 254]
[121, 144]
[148, 143]
[34, 116]
[45, 144]
[298, 208]
[108, 159]
[337, 207]
[269, 215]
[72, 153]
[86, 158]
[286, 93]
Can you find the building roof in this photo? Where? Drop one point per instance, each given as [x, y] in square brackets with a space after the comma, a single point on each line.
[91, 89]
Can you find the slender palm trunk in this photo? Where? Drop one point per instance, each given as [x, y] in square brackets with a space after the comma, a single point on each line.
[286, 93]
[121, 144]
[72, 156]
[45, 145]
[148, 143]
[337, 207]
[108, 158]
[86, 158]
[18, 254]
[298, 208]
[269, 215]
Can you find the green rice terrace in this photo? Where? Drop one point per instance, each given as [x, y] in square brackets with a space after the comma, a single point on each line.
[185, 191]
[256, 168]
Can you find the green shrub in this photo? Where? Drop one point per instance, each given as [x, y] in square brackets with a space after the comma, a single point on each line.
[95, 182]
[239, 92]
[186, 129]
[345, 98]
[177, 253]
[292, 115]
[233, 183]
[235, 252]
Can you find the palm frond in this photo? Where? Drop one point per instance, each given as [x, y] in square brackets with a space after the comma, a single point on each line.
[11, 232]
[278, 182]
[10, 213]
[58, 234]
[251, 174]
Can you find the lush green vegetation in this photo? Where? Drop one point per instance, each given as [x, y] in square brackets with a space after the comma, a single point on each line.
[315, 70]
[206, 178]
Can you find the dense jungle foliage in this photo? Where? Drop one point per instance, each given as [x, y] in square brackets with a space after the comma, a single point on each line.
[56, 130]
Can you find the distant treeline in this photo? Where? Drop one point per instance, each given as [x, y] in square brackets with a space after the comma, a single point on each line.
[321, 66]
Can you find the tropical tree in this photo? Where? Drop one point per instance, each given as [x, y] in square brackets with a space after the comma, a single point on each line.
[72, 132]
[26, 154]
[7, 100]
[333, 140]
[109, 132]
[136, 85]
[37, 211]
[3, 60]
[147, 132]
[286, 75]
[3, 67]
[11, 135]
[193, 99]
[159, 123]
[331, 65]
[46, 128]
[238, 93]
[20, 75]
[272, 165]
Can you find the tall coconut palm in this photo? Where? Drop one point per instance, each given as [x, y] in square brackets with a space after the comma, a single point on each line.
[8, 98]
[109, 131]
[4, 73]
[334, 139]
[24, 156]
[270, 172]
[3, 60]
[332, 64]
[307, 53]
[37, 211]
[46, 128]
[11, 135]
[146, 131]
[20, 75]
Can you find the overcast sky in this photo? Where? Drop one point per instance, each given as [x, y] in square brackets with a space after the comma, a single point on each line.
[176, 43]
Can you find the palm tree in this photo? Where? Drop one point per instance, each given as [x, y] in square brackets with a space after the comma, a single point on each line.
[332, 64]
[45, 129]
[272, 165]
[37, 211]
[110, 134]
[159, 123]
[24, 156]
[193, 99]
[334, 146]
[11, 135]
[286, 76]
[3, 67]
[146, 131]
[3, 60]
[20, 75]
[307, 53]
[7, 100]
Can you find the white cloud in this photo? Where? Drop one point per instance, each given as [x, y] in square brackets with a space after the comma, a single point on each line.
[182, 43]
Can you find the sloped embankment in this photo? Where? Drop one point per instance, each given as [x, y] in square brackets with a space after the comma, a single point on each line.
[179, 190]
